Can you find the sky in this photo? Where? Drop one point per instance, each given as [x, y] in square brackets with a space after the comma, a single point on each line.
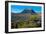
[19, 8]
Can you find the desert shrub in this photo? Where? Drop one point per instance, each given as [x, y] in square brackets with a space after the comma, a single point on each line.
[31, 25]
[28, 24]
[21, 24]
[33, 21]
[33, 17]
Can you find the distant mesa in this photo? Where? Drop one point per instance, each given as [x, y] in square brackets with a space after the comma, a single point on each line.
[28, 11]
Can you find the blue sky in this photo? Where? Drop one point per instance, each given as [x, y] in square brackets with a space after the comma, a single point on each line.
[19, 8]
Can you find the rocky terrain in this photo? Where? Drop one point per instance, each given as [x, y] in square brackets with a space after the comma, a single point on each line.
[26, 17]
